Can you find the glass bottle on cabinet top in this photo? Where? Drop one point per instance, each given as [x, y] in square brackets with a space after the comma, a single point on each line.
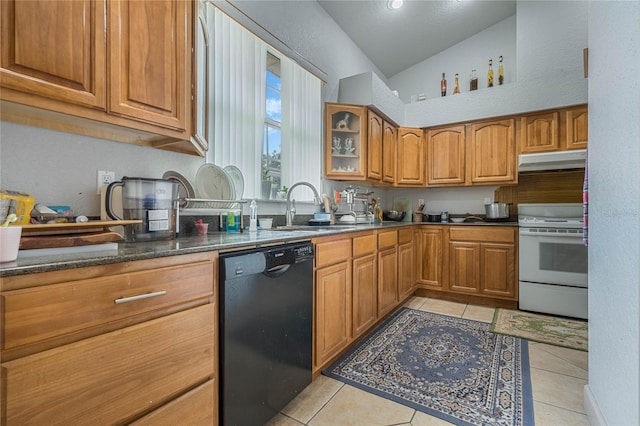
[345, 145]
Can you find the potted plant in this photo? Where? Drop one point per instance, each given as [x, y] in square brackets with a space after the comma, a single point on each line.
[282, 193]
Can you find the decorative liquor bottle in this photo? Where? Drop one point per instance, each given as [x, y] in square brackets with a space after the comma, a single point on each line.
[500, 72]
[490, 74]
[443, 86]
[473, 83]
[456, 88]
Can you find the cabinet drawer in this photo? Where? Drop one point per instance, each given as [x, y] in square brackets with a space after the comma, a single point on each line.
[197, 407]
[330, 252]
[35, 314]
[114, 377]
[405, 235]
[364, 245]
[387, 239]
[482, 234]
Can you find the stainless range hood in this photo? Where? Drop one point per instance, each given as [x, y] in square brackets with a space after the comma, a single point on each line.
[560, 160]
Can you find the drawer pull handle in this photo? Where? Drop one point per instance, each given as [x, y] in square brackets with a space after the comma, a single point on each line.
[140, 296]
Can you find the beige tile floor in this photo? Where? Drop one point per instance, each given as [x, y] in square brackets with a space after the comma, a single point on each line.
[558, 376]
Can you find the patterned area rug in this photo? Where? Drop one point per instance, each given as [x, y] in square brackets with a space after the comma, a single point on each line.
[448, 367]
[542, 328]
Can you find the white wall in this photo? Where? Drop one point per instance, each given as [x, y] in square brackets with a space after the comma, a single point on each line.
[61, 169]
[474, 52]
[613, 393]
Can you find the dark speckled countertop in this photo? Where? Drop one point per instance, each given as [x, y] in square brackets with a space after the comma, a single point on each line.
[197, 243]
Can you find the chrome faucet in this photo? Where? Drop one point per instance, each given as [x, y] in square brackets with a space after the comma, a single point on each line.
[291, 210]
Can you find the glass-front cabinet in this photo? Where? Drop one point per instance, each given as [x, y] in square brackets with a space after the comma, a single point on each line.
[345, 142]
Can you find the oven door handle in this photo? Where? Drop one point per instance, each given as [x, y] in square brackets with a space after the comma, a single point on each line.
[526, 233]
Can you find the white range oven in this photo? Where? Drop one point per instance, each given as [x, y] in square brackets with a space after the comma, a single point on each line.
[552, 260]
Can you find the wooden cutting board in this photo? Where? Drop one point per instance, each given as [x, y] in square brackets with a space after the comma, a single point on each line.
[69, 240]
[74, 228]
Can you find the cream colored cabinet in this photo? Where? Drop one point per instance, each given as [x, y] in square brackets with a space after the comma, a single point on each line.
[346, 142]
[491, 152]
[410, 169]
[483, 261]
[387, 272]
[365, 283]
[374, 146]
[446, 156]
[429, 257]
[555, 130]
[81, 347]
[406, 268]
[118, 70]
[333, 303]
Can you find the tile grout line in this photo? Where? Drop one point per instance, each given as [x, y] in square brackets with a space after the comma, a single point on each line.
[342, 385]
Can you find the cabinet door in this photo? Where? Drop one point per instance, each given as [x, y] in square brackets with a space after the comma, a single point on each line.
[410, 168]
[374, 147]
[201, 87]
[389, 135]
[113, 377]
[446, 158]
[150, 61]
[498, 270]
[493, 152]
[577, 127]
[464, 267]
[406, 270]
[55, 49]
[365, 294]
[333, 311]
[429, 257]
[387, 280]
[539, 132]
[346, 142]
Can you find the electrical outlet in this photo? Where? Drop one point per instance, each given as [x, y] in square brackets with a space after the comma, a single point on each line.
[104, 178]
[487, 200]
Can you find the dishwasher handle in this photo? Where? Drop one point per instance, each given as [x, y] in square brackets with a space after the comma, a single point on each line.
[277, 271]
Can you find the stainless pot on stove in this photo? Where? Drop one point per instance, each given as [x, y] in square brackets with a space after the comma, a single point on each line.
[497, 210]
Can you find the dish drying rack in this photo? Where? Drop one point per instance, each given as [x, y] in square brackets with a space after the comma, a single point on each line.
[210, 207]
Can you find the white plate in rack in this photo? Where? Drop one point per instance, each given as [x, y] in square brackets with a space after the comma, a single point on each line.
[213, 183]
[237, 179]
[185, 188]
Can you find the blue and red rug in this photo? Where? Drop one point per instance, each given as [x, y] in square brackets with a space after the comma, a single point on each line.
[451, 368]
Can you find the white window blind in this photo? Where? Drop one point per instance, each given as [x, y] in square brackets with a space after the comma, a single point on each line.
[239, 111]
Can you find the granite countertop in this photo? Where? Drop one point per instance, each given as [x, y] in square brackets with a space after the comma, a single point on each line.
[222, 241]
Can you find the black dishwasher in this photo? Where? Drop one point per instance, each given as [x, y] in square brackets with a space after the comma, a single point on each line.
[266, 320]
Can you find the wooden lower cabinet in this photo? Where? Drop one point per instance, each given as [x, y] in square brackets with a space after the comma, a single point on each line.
[387, 272]
[365, 283]
[122, 367]
[483, 261]
[429, 256]
[406, 268]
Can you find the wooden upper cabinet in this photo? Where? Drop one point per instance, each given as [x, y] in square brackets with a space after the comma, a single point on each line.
[410, 157]
[65, 62]
[539, 132]
[492, 151]
[446, 147]
[148, 62]
[389, 143]
[374, 146]
[345, 142]
[201, 69]
[576, 123]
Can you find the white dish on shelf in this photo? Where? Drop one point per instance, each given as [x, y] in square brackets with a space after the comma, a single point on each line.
[457, 219]
[185, 188]
[213, 183]
[237, 179]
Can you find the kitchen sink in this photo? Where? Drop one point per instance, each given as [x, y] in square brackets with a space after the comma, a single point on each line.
[310, 228]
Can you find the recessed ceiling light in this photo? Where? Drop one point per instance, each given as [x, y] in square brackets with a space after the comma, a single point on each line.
[394, 4]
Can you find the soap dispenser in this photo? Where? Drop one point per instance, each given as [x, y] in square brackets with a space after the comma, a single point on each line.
[253, 216]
